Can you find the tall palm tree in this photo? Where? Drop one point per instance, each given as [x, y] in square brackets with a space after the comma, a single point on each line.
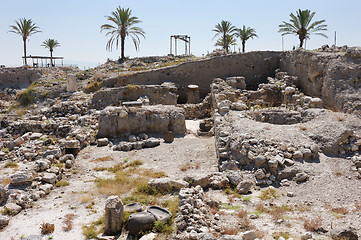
[301, 25]
[224, 28]
[227, 42]
[51, 44]
[124, 26]
[244, 34]
[25, 28]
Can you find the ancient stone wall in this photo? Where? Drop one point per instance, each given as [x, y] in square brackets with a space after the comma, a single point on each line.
[157, 94]
[18, 77]
[254, 66]
[333, 77]
[158, 119]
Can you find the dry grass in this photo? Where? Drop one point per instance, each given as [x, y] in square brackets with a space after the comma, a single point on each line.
[278, 212]
[357, 206]
[268, 193]
[214, 210]
[246, 224]
[5, 182]
[86, 198]
[47, 228]
[277, 235]
[68, 222]
[339, 117]
[242, 214]
[312, 224]
[11, 165]
[303, 128]
[230, 230]
[102, 159]
[340, 210]
[151, 174]
[99, 169]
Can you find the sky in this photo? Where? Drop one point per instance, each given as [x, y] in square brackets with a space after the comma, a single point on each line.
[75, 24]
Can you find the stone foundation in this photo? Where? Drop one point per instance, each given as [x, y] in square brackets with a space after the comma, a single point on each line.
[165, 94]
[158, 119]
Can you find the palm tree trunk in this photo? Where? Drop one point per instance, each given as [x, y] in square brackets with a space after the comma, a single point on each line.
[26, 63]
[301, 42]
[243, 46]
[51, 58]
[122, 42]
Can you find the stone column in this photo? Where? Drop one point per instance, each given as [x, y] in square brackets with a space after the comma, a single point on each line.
[113, 215]
[193, 94]
[71, 84]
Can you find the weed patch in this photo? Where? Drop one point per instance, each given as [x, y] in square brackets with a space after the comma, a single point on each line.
[47, 228]
[269, 193]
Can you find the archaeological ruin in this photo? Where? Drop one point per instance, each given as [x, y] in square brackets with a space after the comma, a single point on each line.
[275, 148]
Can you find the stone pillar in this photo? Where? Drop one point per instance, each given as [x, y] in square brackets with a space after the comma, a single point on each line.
[193, 94]
[113, 215]
[71, 84]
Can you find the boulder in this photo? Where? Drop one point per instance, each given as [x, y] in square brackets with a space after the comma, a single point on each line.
[21, 177]
[46, 188]
[151, 142]
[348, 233]
[4, 221]
[42, 165]
[160, 214]
[315, 103]
[140, 221]
[12, 208]
[4, 195]
[101, 142]
[168, 137]
[113, 215]
[234, 177]
[301, 177]
[245, 186]
[49, 178]
[133, 207]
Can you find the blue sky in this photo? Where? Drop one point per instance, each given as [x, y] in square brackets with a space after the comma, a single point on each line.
[76, 25]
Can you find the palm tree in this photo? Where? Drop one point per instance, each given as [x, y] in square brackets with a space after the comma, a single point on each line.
[123, 27]
[244, 34]
[228, 42]
[224, 28]
[301, 25]
[51, 44]
[25, 28]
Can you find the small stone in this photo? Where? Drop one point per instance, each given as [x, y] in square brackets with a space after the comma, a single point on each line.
[168, 137]
[249, 235]
[132, 138]
[301, 177]
[298, 155]
[4, 221]
[49, 178]
[101, 142]
[244, 186]
[306, 235]
[290, 194]
[259, 174]
[253, 216]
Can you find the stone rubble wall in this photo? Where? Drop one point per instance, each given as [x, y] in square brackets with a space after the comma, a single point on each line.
[157, 94]
[272, 160]
[18, 77]
[333, 77]
[254, 66]
[157, 119]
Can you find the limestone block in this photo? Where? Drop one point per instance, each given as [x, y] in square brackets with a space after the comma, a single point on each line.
[113, 215]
